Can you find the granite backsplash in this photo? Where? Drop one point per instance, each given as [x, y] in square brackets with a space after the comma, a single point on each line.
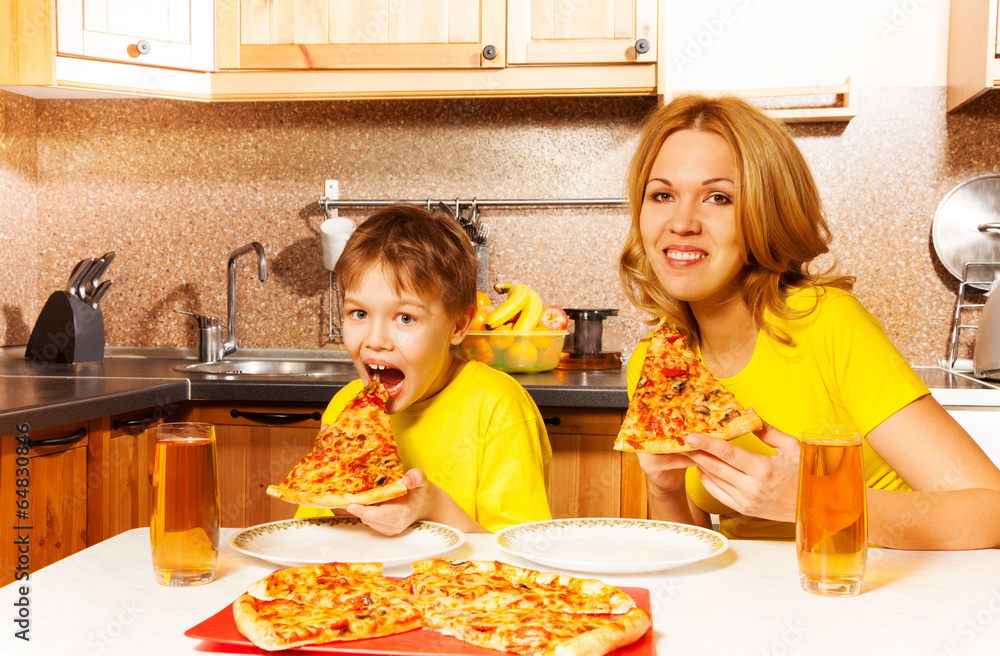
[173, 186]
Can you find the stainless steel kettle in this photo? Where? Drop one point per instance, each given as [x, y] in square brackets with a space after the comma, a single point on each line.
[986, 356]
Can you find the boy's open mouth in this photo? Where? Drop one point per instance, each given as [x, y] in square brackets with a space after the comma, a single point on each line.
[392, 378]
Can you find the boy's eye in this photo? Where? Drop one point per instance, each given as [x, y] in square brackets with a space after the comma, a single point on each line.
[357, 315]
[406, 319]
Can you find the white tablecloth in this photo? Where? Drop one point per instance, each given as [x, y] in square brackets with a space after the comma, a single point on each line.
[103, 600]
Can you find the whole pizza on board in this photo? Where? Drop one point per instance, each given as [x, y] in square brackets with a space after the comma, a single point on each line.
[676, 395]
[355, 460]
[485, 603]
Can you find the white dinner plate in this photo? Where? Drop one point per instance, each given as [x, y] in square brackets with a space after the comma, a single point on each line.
[610, 546]
[314, 540]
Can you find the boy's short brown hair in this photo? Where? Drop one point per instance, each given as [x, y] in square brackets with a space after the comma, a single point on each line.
[421, 252]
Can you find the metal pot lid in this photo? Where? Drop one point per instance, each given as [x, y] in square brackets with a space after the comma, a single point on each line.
[966, 227]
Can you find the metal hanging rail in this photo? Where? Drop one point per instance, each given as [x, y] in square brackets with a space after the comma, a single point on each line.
[329, 203]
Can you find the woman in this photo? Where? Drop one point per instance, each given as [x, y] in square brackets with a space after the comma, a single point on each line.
[726, 225]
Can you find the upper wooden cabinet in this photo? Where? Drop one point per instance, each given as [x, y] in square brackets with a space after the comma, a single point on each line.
[587, 32]
[171, 33]
[973, 51]
[361, 34]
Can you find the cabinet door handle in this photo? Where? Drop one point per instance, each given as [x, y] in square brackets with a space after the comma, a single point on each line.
[551, 421]
[642, 46]
[275, 417]
[143, 47]
[141, 424]
[58, 441]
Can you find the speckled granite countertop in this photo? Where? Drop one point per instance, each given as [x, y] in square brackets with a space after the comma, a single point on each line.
[46, 395]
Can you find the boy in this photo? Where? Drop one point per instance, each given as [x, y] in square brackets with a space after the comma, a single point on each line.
[471, 438]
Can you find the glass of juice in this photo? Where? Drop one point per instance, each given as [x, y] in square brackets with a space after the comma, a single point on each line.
[184, 518]
[831, 517]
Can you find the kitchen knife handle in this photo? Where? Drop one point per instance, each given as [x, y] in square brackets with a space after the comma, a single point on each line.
[275, 417]
[58, 441]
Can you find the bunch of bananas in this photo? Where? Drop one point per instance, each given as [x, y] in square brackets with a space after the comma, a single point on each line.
[522, 302]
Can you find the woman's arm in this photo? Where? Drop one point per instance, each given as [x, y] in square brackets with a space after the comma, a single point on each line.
[668, 500]
[956, 499]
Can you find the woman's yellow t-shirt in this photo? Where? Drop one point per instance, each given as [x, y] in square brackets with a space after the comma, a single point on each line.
[841, 371]
[481, 439]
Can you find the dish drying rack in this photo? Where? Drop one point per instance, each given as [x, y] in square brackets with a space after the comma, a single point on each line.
[992, 269]
[477, 231]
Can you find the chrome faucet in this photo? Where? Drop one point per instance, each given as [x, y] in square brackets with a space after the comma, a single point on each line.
[232, 342]
[210, 345]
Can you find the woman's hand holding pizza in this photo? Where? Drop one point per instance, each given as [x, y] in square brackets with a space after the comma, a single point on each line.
[749, 483]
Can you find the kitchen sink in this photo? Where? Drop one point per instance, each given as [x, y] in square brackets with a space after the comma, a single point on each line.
[240, 367]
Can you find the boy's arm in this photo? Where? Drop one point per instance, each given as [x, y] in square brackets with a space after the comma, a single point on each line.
[423, 500]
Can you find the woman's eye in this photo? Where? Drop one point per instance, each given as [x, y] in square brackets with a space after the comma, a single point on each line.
[357, 315]
[406, 319]
[719, 199]
[660, 196]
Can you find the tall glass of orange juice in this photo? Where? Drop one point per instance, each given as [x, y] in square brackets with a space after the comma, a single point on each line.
[831, 518]
[184, 519]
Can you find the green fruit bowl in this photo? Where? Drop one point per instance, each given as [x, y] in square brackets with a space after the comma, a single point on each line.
[514, 351]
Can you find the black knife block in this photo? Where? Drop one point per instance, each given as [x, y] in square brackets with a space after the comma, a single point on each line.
[67, 330]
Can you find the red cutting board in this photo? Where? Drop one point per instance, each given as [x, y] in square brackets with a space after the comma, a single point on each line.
[220, 635]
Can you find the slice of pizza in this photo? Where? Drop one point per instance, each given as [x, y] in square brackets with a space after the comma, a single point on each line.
[676, 395]
[540, 631]
[494, 585]
[355, 460]
[499, 606]
[315, 604]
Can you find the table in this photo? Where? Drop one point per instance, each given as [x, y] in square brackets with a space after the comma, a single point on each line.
[103, 600]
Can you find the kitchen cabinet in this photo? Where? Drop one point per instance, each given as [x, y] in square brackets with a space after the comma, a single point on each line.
[588, 478]
[973, 51]
[361, 34]
[159, 48]
[170, 33]
[257, 447]
[367, 49]
[581, 32]
[43, 492]
[120, 470]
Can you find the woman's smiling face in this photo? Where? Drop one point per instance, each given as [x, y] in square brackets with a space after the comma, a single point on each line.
[688, 218]
[403, 338]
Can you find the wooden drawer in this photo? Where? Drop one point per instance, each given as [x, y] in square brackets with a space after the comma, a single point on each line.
[582, 421]
[301, 415]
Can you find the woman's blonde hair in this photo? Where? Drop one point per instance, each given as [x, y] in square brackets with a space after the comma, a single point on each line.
[779, 214]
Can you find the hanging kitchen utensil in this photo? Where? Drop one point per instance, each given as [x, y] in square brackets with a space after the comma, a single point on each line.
[966, 226]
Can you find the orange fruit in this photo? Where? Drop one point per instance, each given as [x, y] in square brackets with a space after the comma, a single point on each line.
[478, 348]
[479, 321]
[483, 299]
[542, 342]
[522, 355]
[501, 339]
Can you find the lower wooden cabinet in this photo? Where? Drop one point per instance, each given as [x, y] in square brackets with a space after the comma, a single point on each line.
[258, 444]
[588, 478]
[43, 487]
[120, 470]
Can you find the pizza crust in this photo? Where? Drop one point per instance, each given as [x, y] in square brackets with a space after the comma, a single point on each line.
[339, 500]
[626, 630]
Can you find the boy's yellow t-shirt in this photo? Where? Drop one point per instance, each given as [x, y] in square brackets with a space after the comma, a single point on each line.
[840, 372]
[481, 439]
